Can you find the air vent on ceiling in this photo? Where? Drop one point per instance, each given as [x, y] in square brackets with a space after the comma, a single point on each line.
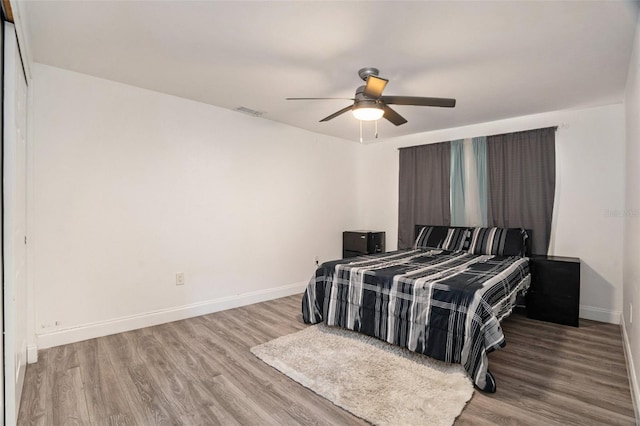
[250, 111]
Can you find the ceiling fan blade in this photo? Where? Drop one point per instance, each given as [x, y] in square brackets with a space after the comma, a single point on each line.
[315, 99]
[375, 86]
[335, 114]
[419, 101]
[393, 116]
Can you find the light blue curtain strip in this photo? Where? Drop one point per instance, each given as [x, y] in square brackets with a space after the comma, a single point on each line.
[458, 215]
[480, 156]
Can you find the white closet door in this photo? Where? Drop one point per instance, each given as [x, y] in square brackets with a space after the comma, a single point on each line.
[15, 256]
[2, 404]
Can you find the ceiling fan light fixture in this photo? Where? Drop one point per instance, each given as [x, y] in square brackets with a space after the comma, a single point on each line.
[368, 112]
[370, 105]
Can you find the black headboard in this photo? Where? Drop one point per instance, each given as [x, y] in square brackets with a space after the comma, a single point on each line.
[527, 243]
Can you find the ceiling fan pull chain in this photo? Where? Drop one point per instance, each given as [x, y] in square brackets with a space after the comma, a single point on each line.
[376, 129]
[360, 130]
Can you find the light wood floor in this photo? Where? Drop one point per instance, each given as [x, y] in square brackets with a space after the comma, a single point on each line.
[200, 372]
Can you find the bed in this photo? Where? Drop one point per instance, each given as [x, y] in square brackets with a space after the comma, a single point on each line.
[444, 298]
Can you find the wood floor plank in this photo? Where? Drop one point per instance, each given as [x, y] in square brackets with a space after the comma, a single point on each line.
[238, 404]
[496, 411]
[194, 361]
[220, 416]
[105, 401]
[186, 393]
[565, 376]
[580, 355]
[201, 371]
[69, 399]
[213, 365]
[574, 345]
[584, 408]
[253, 376]
[62, 358]
[35, 406]
[118, 419]
[150, 397]
[138, 387]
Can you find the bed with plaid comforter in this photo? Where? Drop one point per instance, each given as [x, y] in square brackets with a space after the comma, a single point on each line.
[437, 303]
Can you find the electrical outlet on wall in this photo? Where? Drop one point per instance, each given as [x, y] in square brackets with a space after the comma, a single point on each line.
[179, 278]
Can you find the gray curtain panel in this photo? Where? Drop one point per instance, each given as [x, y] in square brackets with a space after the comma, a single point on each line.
[521, 174]
[424, 189]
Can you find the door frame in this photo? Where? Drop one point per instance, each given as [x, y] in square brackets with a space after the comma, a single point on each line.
[14, 253]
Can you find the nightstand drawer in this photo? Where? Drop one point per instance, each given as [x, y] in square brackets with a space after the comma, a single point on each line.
[560, 279]
[552, 310]
[554, 294]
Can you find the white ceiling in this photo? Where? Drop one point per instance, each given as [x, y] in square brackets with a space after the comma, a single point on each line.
[498, 59]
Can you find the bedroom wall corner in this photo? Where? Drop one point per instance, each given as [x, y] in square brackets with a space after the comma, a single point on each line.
[132, 186]
[631, 216]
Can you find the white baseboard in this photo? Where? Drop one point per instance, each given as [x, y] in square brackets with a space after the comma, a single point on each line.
[599, 314]
[633, 381]
[148, 319]
[32, 354]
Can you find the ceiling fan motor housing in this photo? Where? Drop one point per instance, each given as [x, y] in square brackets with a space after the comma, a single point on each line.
[360, 96]
[364, 73]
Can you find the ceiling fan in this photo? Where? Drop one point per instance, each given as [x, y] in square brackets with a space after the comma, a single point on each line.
[369, 104]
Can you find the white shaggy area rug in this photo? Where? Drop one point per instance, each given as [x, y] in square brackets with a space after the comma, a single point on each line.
[378, 382]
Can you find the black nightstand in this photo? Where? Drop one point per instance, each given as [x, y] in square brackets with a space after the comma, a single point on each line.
[554, 295]
[356, 243]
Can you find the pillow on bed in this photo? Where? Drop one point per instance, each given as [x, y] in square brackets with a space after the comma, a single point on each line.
[498, 241]
[442, 237]
[456, 239]
[431, 237]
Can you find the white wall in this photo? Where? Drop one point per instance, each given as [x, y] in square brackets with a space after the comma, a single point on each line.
[631, 263]
[131, 186]
[589, 185]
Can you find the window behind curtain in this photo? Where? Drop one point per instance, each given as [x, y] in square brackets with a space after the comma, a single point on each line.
[469, 182]
[521, 180]
[424, 189]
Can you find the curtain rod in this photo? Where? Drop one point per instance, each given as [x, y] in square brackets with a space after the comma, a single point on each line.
[555, 128]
